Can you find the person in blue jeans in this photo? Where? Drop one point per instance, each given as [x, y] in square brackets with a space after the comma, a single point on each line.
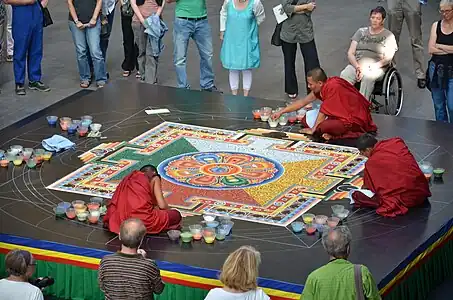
[85, 27]
[440, 67]
[27, 27]
[191, 21]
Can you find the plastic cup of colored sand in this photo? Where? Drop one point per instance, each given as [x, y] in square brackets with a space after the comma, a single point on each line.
[39, 151]
[272, 122]
[4, 163]
[82, 130]
[27, 152]
[208, 218]
[209, 235]
[93, 206]
[336, 209]
[31, 163]
[70, 213]
[196, 231]
[283, 120]
[17, 148]
[222, 232]
[310, 230]
[52, 120]
[82, 216]
[76, 122]
[72, 128]
[18, 160]
[65, 205]
[59, 211]
[308, 218]
[426, 167]
[256, 113]
[97, 200]
[186, 237]
[320, 219]
[229, 225]
[438, 173]
[174, 235]
[93, 216]
[212, 224]
[87, 117]
[343, 215]
[332, 222]
[297, 226]
[47, 155]
[95, 127]
[2, 153]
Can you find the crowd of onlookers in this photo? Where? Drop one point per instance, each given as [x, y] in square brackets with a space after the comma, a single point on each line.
[371, 51]
[130, 274]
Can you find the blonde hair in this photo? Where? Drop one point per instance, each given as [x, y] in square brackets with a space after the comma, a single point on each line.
[240, 270]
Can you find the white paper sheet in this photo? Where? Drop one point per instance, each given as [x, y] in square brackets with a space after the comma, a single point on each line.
[279, 14]
[367, 193]
[311, 116]
[157, 111]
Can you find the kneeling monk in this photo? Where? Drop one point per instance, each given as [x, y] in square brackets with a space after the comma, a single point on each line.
[393, 175]
[139, 195]
[344, 112]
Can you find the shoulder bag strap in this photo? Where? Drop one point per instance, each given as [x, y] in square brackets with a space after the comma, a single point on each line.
[358, 282]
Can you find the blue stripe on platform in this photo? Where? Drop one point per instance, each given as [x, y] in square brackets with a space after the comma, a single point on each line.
[163, 265]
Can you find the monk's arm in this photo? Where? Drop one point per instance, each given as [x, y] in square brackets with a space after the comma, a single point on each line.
[321, 117]
[298, 104]
[157, 188]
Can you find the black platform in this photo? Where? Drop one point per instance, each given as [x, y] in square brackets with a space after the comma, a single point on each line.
[380, 243]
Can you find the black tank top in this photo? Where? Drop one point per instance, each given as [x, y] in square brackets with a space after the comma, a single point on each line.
[444, 39]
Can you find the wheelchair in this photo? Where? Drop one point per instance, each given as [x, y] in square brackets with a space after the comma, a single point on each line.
[391, 88]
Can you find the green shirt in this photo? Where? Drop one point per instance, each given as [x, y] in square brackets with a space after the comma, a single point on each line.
[336, 281]
[191, 9]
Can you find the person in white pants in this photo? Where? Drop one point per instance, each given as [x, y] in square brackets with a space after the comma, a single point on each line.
[9, 34]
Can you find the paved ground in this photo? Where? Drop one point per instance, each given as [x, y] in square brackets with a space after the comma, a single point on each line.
[334, 22]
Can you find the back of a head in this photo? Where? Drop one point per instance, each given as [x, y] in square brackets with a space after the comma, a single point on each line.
[366, 141]
[446, 3]
[317, 74]
[132, 232]
[240, 270]
[17, 262]
[148, 168]
[337, 242]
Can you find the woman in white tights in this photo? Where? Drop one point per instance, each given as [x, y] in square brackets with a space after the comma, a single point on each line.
[239, 20]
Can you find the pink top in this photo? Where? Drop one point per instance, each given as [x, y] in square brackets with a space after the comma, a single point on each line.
[147, 9]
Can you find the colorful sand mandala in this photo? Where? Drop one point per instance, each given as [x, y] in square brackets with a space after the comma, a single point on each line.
[249, 177]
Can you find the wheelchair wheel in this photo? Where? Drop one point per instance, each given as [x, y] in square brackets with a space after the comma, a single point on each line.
[393, 93]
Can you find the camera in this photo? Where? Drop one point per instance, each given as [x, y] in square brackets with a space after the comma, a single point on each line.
[42, 282]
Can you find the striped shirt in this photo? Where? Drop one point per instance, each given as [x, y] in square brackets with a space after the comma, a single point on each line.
[129, 276]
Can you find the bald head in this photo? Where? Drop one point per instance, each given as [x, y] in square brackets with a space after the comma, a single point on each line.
[132, 232]
[317, 74]
[149, 171]
[337, 242]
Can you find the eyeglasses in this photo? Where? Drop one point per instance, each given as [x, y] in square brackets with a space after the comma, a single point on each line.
[445, 11]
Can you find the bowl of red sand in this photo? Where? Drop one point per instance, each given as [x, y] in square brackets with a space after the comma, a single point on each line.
[93, 217]
[82, 130]
[93, 206]
[70, 213]
[292, 118]
[310, 230]
[332, 222]
[256, 113]
[4, 163]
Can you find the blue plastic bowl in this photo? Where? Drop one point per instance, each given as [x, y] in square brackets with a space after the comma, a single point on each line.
[212, 224]
[297, 226]
[52, 120]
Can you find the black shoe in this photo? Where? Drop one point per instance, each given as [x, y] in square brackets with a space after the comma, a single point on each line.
[213, 89]
[421, 83]
[20, 90]
[39, 86]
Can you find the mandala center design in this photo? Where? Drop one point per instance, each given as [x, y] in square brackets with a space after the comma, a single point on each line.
[220, 169]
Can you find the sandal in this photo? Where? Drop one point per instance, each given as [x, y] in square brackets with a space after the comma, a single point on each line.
[126, 73]
[292, 96]
[138, 75]
[84, 84]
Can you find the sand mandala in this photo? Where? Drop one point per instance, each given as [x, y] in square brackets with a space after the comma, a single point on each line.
[207, 170]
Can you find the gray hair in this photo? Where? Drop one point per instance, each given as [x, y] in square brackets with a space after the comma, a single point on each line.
[446, 2]
[132, 232]
[336, 241]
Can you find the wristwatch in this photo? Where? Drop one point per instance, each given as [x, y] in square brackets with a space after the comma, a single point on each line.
[76, 21]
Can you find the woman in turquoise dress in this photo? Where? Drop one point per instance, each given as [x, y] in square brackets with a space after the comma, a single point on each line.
[239, 21]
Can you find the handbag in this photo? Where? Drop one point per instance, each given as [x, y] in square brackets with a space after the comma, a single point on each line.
[46, 18]
[126, 9]
[275, 39]
[358, 282]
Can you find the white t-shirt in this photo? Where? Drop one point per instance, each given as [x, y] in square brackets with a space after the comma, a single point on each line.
[221, 294]
[14, 290]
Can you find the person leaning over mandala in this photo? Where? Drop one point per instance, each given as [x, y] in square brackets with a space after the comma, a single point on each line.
[139, 195]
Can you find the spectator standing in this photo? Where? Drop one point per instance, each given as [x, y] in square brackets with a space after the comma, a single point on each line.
[336, 280]
[108, 11]
[130, 48]
[85, 26]
[239, 277]
[409, 10]
[20, 266]
[440, 67]
[3, 32]
[191, 21]
[147, 59]
[239, 21]
[9, 34]
[128, 274]
[298, 29]
[27, 28]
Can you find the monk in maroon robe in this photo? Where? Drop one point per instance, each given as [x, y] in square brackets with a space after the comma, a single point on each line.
[139, 195]
[393, 175]
[344, 112]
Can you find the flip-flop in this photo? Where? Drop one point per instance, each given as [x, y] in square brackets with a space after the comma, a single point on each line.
[84, 84]
[126, 73]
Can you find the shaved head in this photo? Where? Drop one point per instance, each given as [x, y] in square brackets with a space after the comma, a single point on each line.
[317, 74]
[149, 171]
[132, 232]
